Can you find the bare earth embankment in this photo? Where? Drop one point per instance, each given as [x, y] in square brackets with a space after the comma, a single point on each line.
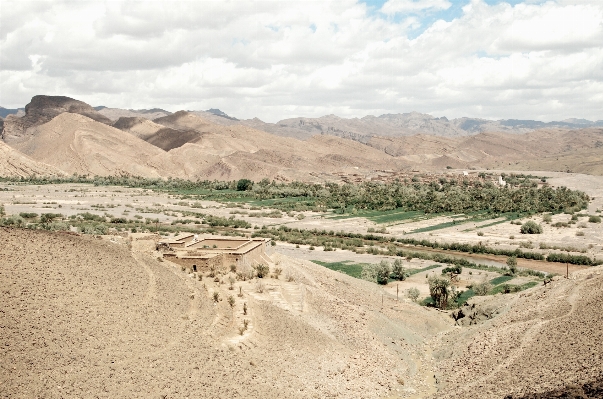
[85, 317]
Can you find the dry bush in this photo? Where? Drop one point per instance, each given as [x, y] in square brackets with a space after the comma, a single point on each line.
[262, 270]
[289, 276]
[413, 293]
[231, 301]
[216, 296]
[482, 288]
[259, 286]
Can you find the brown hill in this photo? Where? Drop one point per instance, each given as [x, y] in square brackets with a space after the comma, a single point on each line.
[15, 164]
[77, 144]
[547, 339]
[42, 109]
[86, 317]
[160, 136]
[115, 113]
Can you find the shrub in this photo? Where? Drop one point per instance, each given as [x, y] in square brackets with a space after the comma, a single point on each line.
[547, 218]
[413, 293]
[259, 287]
[231, 301]
[594, 219]
[262, 270]
[244, 185]
[28, 215]
[480, 233]
[531, 227]
[512, 264]
[482, 288]
[580, 233]
[216, 296]
[383, 271]
[399, 272]
[456, 269]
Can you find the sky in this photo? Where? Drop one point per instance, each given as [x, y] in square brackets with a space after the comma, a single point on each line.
[280, 59]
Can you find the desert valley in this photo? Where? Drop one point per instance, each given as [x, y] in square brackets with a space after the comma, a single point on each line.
[153, 254]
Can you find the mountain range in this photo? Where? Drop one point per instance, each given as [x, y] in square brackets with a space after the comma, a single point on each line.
[62, 135]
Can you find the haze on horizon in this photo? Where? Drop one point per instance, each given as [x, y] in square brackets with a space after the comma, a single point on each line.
[273, 60]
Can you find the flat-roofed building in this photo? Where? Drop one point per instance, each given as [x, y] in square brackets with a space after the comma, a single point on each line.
[202, 254]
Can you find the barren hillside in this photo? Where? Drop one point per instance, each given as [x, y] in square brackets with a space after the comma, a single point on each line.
[87, 317]
[15, 164]
[77, 144]
[548, 339]
[42, 109]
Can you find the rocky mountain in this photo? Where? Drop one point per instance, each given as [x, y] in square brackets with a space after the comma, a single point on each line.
[76, 138]
[15, 164]
[42, 109]
[4, 112]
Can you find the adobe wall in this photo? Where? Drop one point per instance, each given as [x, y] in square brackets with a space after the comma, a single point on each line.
[202, 264]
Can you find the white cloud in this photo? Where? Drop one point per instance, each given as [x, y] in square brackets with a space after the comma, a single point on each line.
[409, 6]
[275, 59]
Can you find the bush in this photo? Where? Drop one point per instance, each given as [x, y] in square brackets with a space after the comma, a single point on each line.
[244, 185]
[580, 233]
[28, 215]
[547, 218]
[512, 264]
[262, 270]
[456, 269]
[413, 293]
[383, 271]
[594, 219]
[399, 272]
[482, 288]
[531, 227]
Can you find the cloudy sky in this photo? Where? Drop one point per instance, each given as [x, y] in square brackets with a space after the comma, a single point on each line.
[278, 59]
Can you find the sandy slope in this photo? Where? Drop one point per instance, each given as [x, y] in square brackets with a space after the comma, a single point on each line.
[77, 144]
[15, 164]
[548, 339]
[84, 317]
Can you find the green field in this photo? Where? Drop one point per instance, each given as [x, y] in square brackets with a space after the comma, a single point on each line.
[381, 217]
[346, 266]
[500, 280]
